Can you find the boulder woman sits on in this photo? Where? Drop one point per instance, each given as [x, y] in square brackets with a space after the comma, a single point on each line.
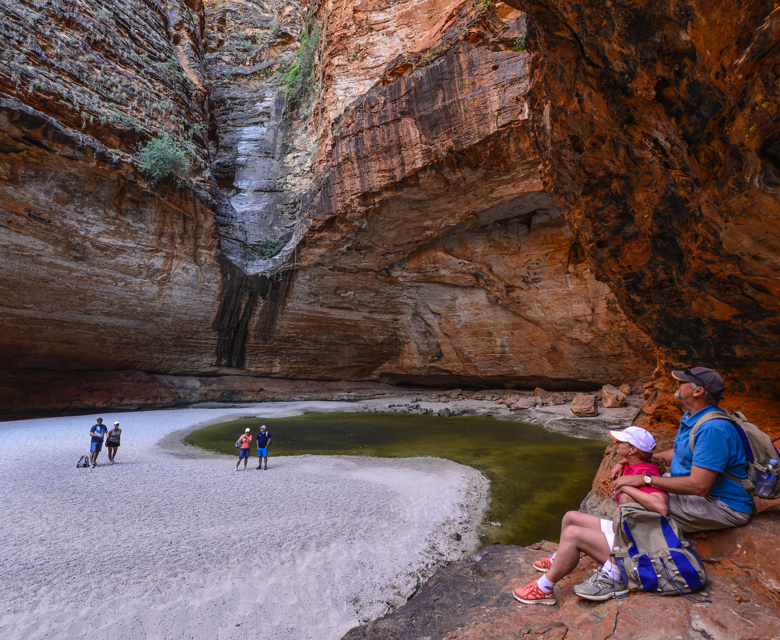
[595, 536]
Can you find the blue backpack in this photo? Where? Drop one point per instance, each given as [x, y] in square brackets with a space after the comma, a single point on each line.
[83, 462]
[652, 553]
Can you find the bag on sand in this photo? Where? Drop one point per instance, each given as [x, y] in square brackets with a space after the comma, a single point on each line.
[652, 553]
[83, 462]
[758, 447]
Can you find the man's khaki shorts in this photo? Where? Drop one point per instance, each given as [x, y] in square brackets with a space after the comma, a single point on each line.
[695, 513]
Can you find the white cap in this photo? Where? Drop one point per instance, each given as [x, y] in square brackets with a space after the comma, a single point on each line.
[637, 436]
[246, 430]
[263, 427]
[116, 423]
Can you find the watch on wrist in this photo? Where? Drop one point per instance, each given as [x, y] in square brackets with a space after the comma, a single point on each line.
[648, 481]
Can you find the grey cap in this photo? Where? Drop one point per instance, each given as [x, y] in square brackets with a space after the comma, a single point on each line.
[709, 379]
[262, 427]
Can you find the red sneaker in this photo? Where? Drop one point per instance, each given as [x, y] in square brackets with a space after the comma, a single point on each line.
[532, 594]
[543, 565]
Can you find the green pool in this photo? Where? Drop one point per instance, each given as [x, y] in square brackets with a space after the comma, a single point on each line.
[535, 476]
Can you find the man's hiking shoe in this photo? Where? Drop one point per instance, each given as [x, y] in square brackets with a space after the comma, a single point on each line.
[259, 467]
[265, 468]
[543, 565]
[600, 587]
[532, 594]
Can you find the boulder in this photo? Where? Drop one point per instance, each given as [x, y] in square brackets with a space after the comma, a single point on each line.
[524, 403]
[584, 405]
[444, 413]
[540, 393]
[612, 397]
[625, 389]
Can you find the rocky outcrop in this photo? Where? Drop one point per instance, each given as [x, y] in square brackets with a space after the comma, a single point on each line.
[472, 599]
[657, 125]
[441, 261]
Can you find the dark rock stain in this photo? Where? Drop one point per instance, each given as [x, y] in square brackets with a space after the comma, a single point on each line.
[238, 298]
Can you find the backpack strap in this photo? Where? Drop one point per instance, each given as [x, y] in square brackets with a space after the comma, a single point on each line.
[715, 415]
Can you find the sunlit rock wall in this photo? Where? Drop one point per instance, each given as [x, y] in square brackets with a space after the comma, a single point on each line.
[417, 242]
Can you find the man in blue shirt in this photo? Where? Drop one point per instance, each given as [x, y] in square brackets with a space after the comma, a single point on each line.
[96, 433]
[263, 442]
[701, 497]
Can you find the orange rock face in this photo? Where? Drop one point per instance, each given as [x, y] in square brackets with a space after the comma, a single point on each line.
[657, 125]
[420, 245]
[657, 130]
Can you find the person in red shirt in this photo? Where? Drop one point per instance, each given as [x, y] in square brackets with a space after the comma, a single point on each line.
[583, 533]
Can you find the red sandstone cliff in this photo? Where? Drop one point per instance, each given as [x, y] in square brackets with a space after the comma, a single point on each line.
[420, 245]
[658, 130]
[657, 125]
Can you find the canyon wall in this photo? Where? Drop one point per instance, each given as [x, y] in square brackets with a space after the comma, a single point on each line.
[401, 196]
[658, 126]
[658, 129]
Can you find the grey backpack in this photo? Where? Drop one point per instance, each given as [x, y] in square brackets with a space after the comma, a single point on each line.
[759, 448]
[652, 553]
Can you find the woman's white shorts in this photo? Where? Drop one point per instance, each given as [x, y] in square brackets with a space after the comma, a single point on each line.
[608, 530]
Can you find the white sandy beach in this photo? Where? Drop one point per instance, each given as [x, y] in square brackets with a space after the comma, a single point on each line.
[171, 543]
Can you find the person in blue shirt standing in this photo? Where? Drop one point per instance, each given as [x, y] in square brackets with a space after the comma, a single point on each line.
[263, 442]
[701, 497]
[96, 433]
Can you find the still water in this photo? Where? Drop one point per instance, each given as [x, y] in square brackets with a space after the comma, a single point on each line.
[535, 476]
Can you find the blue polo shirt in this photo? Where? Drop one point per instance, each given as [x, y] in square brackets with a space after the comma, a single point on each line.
[717, 446]
[262, 439]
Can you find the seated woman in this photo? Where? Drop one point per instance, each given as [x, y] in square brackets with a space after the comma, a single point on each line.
[595, 536]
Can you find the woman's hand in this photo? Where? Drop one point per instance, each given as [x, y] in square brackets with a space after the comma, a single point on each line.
[617, 470]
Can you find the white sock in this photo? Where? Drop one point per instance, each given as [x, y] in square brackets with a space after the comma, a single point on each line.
[545, 584]
[552, 557]
[611, 570]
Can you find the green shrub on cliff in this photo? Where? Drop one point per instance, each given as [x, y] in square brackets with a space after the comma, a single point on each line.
[161, 157]
[300, 79]
[265, 248]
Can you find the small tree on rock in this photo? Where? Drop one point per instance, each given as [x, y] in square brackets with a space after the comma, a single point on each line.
[161, 157]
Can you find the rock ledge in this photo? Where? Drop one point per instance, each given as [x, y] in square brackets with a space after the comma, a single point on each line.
[472, 599]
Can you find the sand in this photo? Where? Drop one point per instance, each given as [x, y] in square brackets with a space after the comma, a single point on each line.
[171, 542]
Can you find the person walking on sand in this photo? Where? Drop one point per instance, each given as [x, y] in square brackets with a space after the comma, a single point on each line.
[263, 442]
[583, 533]
[244, 442]
[96, 433]
[112, 442]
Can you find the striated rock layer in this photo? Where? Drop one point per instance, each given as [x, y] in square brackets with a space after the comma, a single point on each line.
[418, 244]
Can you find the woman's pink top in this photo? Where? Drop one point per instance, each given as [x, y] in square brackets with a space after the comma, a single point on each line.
[246, 441]
[643, 469]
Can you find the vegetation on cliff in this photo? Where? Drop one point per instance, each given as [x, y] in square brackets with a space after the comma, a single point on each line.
[300, 79]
